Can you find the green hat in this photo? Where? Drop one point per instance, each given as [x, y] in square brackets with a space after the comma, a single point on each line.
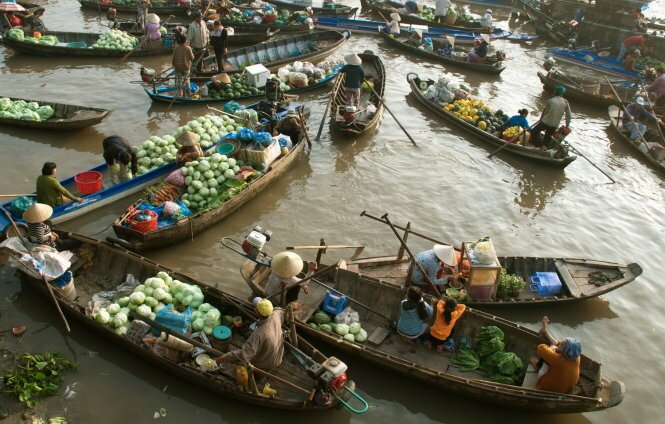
[559, 89]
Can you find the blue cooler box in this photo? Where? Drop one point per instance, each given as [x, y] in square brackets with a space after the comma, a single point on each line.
[545, 283]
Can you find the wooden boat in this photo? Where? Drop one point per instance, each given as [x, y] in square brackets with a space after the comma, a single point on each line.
[528, 152]
[386, 348]
[598, 94]
[337, 10]
[545, 25]
[274, 54]
[65, 117]
[247, 37]
[653, 138]
[490, 66]
[160, 7]
[200, 221]
[461, 37]
[79, 44]
[374, 71]
[590, 59]
[162, 93]
[110, 193]
[98, 266]
[385, 8]
[248, 26]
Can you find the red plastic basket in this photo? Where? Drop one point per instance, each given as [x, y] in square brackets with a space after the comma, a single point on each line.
[88, 182]
[143, 226]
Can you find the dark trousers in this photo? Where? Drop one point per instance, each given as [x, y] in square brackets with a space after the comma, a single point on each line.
[536, 138]
[63, 244]
[198, 58]
[220, 56]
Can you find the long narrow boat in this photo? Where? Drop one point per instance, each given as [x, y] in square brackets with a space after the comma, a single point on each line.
[544, 24]
[590, 59]
[248, 26]
[385, 347]
[184, 229]
[109, 194]
[160, 7]
[99, 267]
[490, 66]
[363, 122]
[274, 54]
[79, 44]
[246, 37]
[65, 117]
[336, 10]
[598, 94]
[530, 153]
[652, 151]
[163, 93]
[461, 37]
[385, 8]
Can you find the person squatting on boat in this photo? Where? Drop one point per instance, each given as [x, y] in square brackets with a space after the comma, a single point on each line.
[118, 155]
[518, 120]
[264, 348]
[439, 263]
[636, 127]
[354, 76]
[481, 50]
[486, 20]
[415, 315]
[152, 25]
[290, 126]
[553, 113]
[284, 274]
[447, 313]
[49, 190]
[560, 369]
[39, 232]
[189, 148]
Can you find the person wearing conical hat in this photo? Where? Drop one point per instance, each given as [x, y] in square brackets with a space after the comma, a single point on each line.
[290, 126]
[486, 20]
[393, 25]
[39, 231]
[480, 52]
[152, 25]
[439, 263]
[354, 76]
[416, 38]
[285, 267]
[190, 149]
[264, 348]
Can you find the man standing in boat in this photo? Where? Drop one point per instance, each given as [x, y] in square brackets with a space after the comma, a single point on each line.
[441, 10]
[142, 13]
[198, 37]
[551, 117]
[354, 75]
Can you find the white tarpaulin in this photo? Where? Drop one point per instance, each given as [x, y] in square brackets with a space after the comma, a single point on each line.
[46, 261]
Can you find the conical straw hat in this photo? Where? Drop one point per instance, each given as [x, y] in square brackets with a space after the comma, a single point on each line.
[446, 254]
[188, 138]
[286, 264]
[37, 212]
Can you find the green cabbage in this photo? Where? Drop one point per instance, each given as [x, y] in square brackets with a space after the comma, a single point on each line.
[325, 327]
[342, 329]
[102, 316]
[113, 308]
[321, 317]
[5, 103]
[361, 336]
[349, 337]
[354, 328]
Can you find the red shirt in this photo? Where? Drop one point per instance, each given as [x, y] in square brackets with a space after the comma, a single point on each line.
[634, 41]
[15, 21]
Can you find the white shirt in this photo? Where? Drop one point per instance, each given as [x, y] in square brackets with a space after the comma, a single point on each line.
[393, 27]
[486, 20]
[198, 35]
[442, 7]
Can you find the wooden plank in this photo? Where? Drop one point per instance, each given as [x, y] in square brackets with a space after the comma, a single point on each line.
[568, 280]
[378, 336]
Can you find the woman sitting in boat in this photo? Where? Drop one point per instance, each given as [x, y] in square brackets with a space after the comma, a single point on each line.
[285, 267]
[39, 231]
[518, 120]
[446, 49]
[560, 370]
[34, 23]
[393, 25]
[414, 316]
[447, 313]
[10, 20]
[49, 190]
[190, 149]
[439, 263]
[290, 126]
[354, 75]
[118, 155]
[427, 45]
[479, 53]
[635, 126]
[264, 348]
[486, 20]
[152, 26]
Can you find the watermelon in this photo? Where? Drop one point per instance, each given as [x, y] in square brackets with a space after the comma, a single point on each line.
[17, 331]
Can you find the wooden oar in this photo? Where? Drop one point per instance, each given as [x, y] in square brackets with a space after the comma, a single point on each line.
[18, 195]
[325, 113]
[653, 111]
[301, 282]
[406, 229]
[358, 251]
[304, 128]
[413, 258]
[627, 114]
[391, 113]
[589, 160]
[509, 142]
[48, 285]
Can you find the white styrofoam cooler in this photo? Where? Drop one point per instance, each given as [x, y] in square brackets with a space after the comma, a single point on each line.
[257, 75]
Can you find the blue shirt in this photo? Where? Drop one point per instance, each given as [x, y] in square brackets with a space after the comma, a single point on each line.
[639, 114]
[517, 121]
[353, 75]
[431, 264]
[409, 322]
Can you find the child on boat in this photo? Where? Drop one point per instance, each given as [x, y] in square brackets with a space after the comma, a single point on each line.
[447, 313]
[415, 315]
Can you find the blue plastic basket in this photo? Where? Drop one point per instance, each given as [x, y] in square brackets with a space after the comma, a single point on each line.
[334, 303]
[545, 283]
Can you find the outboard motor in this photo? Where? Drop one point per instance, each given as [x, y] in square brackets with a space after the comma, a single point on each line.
[254, 242]
[350, 114]
[147, 74]
[549, 63]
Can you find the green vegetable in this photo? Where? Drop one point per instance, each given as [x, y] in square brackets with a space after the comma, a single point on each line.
[325, 327]
[509, 284]
[466, 360]
[321, 317]
[342, 329]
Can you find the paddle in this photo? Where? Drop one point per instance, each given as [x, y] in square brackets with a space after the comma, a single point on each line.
[358, 251]
[48, 285]
[626, 112]
[405, 229]
[588, 160]
[304, 128]
[653, 110]
[391, 113]
[18, 195]
[325, 113]
[509, 142]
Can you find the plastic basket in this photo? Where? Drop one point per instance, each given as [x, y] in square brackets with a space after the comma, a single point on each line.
[545, 283]
[88, 182]
[227, 149]
[334, 303]
[143, 226]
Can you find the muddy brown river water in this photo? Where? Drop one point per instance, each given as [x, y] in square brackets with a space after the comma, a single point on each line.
[446, 187]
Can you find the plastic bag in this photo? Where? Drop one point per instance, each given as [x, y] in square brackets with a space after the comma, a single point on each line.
[347, 316]
[283, 74]
[484, 251]
[232, 107]
[19, 205]
[176, 178]
[263, 138]
[104, 298]
[298, 79]
[245, 134]
[431, 92]
[170, 208]
[297, 66]
[176, 321]
[461, 94]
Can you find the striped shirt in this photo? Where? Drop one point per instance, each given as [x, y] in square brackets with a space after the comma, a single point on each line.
[40, 233]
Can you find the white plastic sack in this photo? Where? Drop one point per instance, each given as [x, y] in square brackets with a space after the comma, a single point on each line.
[484, 252]
[347, 316]
[104, 298]
[47, 261]
[431, 92]
[283, 74]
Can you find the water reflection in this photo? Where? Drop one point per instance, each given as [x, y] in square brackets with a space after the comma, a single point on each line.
[70, 140]
[537, 186]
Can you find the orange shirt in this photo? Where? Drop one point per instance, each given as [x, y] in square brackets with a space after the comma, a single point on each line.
[440, 329]
[563, 373]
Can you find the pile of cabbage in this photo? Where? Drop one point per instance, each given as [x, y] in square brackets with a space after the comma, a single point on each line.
[24, 111]
[152, 296]
[302, 74]
[157, 151]
[115, 40]
[210, 179]
[16, 34]
[348, 329]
